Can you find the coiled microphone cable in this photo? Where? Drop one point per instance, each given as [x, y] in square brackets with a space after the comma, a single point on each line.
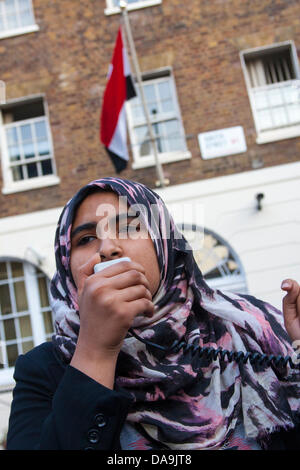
[212, 354]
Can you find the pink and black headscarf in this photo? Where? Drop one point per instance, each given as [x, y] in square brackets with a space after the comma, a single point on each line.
[180, 399]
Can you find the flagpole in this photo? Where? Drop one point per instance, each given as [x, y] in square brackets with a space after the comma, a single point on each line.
[160, 174]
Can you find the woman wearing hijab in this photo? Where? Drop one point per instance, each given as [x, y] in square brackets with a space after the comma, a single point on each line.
[146, 355]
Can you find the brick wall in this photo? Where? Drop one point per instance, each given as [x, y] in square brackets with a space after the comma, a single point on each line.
[67, 60]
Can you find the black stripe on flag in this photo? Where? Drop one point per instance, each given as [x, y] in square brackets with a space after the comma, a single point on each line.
[118, 162]
[130, 89]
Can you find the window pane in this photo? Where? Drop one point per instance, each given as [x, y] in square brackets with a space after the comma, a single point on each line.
[290, 94]
[27, 346]
[143, 138]
[137, 113]
[175, 140]
[14, 153]
[149, 93]
[32, 170]
[167, 106]
[10, 6]
[9, 329]
[141, 133]
[28, 150]
[164, 90]
[43, 292]
[264, 120]
[26, 132]
[294, 113]
[17, 172]
[25, 326]
[12, 354]
[279, 116]
[24, 4]
[26, 18]
[275, 97]
[3, 271]
[43, 147]
[40, 130]
[1, 23]
[12, 21]
[11, 135]
[21, 297]
[171, 127]
[260, 99]
[17, 269]
[46, 167]
[48, 322]
[5, 304]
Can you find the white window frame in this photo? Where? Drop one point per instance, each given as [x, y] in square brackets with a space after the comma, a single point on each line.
[166, 157]
[279, 133]
[22, 29]
[35, 312]
[10, 186]
[113, 10]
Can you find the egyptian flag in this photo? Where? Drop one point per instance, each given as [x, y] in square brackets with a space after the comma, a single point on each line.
[119, 88]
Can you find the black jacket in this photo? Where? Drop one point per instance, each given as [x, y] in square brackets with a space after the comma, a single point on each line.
[57, 407]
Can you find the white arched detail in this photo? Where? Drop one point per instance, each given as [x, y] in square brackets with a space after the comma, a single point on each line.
[217, 260]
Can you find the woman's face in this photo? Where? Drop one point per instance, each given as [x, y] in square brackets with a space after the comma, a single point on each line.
[98, 228]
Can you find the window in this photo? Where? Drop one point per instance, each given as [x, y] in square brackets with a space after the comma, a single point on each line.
[219, 264]
[16, 17]
[26, 147]
[162, 105]
[272, 77]
[25, 315]
[113, 5]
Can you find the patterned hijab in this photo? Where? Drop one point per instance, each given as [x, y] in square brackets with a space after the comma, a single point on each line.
[179, 398]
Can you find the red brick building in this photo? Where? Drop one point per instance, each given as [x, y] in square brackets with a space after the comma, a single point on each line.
[64, 61]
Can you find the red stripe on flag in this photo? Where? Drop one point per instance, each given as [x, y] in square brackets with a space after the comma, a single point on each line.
[114, 95]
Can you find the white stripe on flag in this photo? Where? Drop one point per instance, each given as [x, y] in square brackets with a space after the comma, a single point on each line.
[126, 65]
[119, 137]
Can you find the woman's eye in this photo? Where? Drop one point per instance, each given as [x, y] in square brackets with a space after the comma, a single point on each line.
[129, 228]
[85, 240]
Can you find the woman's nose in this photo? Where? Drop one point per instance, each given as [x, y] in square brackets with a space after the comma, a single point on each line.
[109, 249]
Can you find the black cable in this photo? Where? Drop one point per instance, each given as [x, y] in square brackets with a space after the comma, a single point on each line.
[212, 353]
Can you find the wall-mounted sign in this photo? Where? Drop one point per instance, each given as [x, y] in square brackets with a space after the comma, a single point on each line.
[222, 142]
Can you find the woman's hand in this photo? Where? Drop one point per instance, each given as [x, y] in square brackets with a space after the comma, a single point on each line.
[108, 303]
[291, 308]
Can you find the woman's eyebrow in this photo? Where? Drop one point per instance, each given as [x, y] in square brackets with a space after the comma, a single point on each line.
[83, 228]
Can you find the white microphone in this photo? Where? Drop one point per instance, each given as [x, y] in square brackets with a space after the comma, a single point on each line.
[105, 264]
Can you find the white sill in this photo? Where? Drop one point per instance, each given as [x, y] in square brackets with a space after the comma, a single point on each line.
[17, 32]
[278, 134]
[132, 6]
[145, 162]
[32, 183]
